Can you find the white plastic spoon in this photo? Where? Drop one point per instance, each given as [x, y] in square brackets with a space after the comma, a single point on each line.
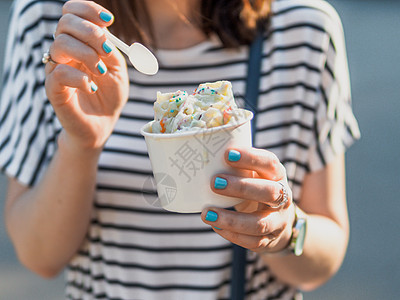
[141, 58]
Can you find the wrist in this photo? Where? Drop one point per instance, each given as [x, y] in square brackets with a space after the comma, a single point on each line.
[67, 146]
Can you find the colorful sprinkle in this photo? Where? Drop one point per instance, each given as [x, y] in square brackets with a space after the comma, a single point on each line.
[227, 115]
[162, 124]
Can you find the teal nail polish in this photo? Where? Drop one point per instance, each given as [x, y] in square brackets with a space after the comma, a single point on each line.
[107, 47]
[93, 86]
[105, 16]
[102, 67]
[217, 228]
[220, 183]
[211, 216]
[234, 155]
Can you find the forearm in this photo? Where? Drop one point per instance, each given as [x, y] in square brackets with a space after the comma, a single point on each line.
[324, 250]
[48, 222]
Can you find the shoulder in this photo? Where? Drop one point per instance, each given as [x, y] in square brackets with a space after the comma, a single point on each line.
[310, 21]
[317, 12]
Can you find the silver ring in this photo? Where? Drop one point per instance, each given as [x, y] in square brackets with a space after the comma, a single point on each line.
[283, 197]
[46, 58]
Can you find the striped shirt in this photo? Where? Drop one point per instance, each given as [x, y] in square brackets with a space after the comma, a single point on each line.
[134, 250]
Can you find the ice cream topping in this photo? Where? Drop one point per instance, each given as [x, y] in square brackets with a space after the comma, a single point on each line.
[210, 105]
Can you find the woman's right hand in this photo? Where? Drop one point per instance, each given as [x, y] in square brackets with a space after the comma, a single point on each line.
[88, 85]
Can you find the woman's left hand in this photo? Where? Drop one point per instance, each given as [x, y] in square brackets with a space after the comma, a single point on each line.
[255, 225]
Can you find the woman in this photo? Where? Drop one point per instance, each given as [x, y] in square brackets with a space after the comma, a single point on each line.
[77, 167]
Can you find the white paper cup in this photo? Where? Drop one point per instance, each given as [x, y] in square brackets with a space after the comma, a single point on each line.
[184, 162]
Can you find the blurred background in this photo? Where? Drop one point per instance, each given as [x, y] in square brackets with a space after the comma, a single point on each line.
[371, 269]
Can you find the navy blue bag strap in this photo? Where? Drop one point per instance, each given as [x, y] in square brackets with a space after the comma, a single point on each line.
[238, 282]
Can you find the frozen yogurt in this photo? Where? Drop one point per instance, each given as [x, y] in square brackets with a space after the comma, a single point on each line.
[210, 105]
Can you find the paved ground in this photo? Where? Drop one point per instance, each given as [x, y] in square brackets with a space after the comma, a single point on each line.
[372, 269]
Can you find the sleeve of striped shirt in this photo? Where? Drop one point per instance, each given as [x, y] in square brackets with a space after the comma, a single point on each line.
[335, 126]
[28, 127]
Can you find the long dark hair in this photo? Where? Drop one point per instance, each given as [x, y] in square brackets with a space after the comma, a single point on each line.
[234, 21]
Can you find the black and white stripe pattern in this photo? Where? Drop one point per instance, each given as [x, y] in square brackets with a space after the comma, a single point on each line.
[134, 250]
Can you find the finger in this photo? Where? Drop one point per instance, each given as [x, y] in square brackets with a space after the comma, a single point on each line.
[254, 243]
[264, 162]
[260, 223]
[62, 79]
[66, 49]
[49, 67]
[86, 32]
[84, 20]
[90, 11]
[256, 189]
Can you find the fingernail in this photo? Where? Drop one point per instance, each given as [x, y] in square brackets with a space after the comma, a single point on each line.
[93, 86]
[105, 16]
[102, 67]
[220, 183]
[211, 216]
[217, 228]
[234, 155]
[107, 47]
